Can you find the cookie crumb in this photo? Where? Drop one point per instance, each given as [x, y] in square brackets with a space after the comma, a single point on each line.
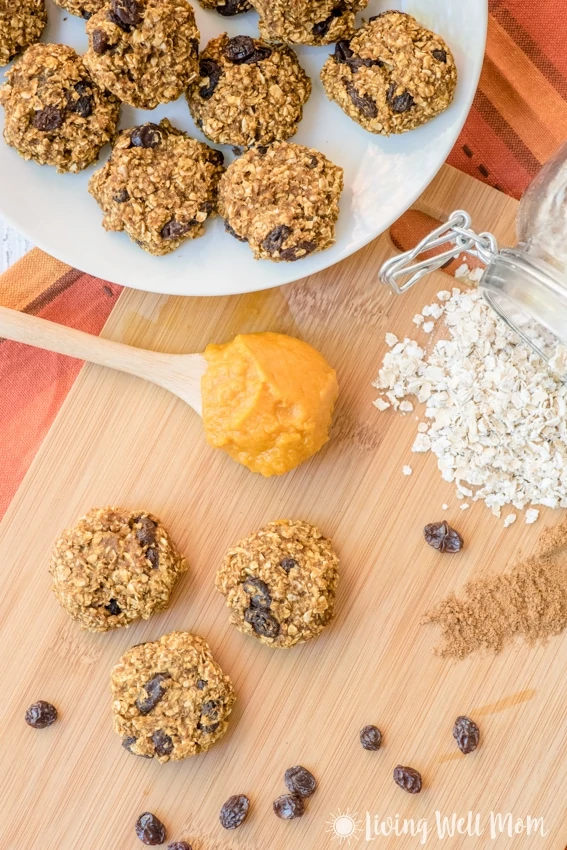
[407, 470]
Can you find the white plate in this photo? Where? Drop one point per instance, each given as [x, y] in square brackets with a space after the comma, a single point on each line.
[383, 176]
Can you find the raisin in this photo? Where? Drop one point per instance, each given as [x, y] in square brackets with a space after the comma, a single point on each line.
[208, 730]
[233, 232]
[49, 118]
[121, 197]
[297, 252]
[442, 537]
[84, 106]
[201, 684]
[288, 806]
[41, 714]
[162, 742]
[150, 830]
[258, 591]
[401, 102]
[322, 27]
[128, 743]
[125, 14]
[363, 102]
[86, 15]
[234, 811]
[408, 779]
[175, 229]
[263, 622]
[146, 531]
[466, 734]
[210, 709]
[179, 845]
[215, 156]
[345, 55]
[113, 608]
[273, 242]
[232, 7]
[288, 564]
[440, 55]
[243, 50]
[206, 207]
[371, 738]
[155, 691]
[100, 42]
[82, 87]
[300, 781]
[211, 70]
[146, 136]
[262, 150]
[312, 163]
[152, 554]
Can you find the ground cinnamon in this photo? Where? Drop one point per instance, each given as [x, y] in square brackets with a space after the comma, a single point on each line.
[529, 602]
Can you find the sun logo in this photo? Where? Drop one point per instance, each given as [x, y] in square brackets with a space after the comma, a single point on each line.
[345, 827]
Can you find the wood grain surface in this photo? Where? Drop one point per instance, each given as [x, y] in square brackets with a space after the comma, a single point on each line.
[121, 441]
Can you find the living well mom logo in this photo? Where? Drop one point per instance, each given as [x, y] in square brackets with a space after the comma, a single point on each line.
[347, 827]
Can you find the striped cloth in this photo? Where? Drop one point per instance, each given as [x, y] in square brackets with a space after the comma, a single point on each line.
[518, 120]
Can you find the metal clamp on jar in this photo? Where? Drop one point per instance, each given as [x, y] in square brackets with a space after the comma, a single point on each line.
[525, 285]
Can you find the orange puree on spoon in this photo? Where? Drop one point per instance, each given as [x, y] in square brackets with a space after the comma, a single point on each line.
[268, 400]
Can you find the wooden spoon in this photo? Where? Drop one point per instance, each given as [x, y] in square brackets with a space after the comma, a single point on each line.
[179, 373]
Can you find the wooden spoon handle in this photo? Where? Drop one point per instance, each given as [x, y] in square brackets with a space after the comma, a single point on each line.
[21, 327]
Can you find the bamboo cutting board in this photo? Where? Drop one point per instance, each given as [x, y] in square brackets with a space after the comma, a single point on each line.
[120, 441]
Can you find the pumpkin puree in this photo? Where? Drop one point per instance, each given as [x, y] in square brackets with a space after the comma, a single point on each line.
[268, 400]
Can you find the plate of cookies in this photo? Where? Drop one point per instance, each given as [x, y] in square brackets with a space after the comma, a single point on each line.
[214, 147]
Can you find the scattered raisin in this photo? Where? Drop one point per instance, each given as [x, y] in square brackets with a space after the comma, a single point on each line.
[263, 622]
[442, 537]
[371, 738]
[146, 532]
[152, 555]
[288, 806]
[121, 197]
[146, 135]
[297, 252]
[288, 564]
[233, 232]
[201, 684]
[211, 70]
[162, 742]
[467, 734]
[175, 229]
[440, 55]
[113, 608]
[258, 591]
[155, 691]
[363, 102]
[100, 42]
[243, 50]
[125, 13]
[179, 845]
[234, 811]
[300, 781]
[408, 779]
[400, 103]
[150, 830]
[49, 118]
[273, 242]
[41, 714]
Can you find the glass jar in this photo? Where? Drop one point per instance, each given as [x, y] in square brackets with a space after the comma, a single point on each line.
[525, 285]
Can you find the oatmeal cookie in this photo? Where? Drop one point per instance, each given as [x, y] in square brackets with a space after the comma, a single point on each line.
[392, 76]
[248, 92]
[113, 567]
[170, 699]
[21, 24]
[283, 200]
[280, 583]
[82, 8]
[227, 8]
[143, 51]
[159, 185]
[307, 21]
[55, 113]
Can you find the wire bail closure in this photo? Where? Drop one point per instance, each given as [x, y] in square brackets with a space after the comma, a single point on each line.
[456, 231]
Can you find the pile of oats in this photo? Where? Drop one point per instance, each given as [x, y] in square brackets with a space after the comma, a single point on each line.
[495, 415]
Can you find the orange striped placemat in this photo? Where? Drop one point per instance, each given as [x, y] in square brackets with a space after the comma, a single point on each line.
[518, 120]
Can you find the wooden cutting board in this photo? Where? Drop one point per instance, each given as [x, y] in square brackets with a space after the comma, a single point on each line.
[120, 441]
